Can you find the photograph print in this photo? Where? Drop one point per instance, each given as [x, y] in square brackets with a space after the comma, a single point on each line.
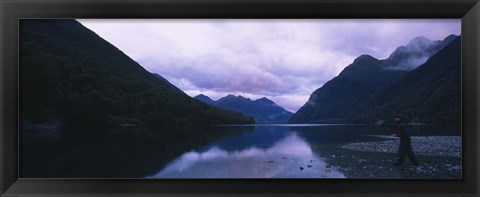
[238, 98]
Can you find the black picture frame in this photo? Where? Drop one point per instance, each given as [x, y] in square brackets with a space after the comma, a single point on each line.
[12, 10]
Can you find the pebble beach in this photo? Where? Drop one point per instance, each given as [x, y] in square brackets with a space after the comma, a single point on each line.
[439, 156]
[450, 146]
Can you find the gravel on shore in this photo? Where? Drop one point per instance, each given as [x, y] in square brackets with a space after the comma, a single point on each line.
[449, 146]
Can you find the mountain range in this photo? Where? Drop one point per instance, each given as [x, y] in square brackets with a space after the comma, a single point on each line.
[415, 53]
[71, 75]
[431, 93]
[368, 89]
[263, 110]
[76, 77]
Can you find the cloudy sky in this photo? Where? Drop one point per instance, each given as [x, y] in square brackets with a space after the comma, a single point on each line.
[283, 60]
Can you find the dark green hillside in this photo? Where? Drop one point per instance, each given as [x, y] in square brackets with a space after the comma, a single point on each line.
[334, 100]
[70, 74]
[431, 93]
[365, 79]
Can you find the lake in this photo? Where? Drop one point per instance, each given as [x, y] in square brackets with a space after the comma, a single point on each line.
[230, 151]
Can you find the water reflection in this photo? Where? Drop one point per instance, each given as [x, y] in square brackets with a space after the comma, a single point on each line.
[289, 157]
[195, 152]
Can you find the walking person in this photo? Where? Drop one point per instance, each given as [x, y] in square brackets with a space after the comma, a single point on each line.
[405, 147]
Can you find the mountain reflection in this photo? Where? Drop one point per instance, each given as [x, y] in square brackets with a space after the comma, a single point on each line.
[289, 157]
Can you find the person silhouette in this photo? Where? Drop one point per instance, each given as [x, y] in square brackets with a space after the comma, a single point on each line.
[405, 146]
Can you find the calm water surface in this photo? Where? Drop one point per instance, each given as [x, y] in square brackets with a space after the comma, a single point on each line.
[277, 151]
[248, 151]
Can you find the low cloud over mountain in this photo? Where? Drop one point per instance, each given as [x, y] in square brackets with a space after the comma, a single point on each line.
[284, 60]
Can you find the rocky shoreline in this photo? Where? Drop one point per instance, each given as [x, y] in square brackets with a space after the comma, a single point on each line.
[439, 157]
[450, 146]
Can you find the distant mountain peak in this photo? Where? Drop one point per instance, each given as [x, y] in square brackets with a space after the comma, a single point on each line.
[264, 100]
[201, 95]
[241, 97]
[420, 39]
[420, 44]
[415, 53]
[204, 98]
[262, 109]
[364, 57]
[416, 44]
[450, 38]
[364, 60]
[233, 97]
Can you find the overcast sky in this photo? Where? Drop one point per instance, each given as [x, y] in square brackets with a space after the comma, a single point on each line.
[283, 60]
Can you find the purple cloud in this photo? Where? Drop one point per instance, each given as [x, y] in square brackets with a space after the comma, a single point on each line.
[284, 60]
